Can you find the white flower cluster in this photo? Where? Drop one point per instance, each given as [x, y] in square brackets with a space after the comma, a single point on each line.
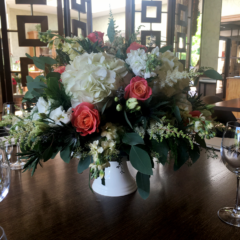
[92, 77]
[201, 125]
[69, 46]
[103, 150]
[58, 115]
[140, 131]
[138, 60]
[165, 67]
[183, 103]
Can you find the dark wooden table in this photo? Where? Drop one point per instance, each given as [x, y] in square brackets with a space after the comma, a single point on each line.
[56, 203]
[229, 105]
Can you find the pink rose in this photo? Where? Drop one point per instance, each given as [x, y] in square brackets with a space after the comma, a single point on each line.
[136, 46]
[85, 118]
[60, 69]
[96, 36]
[138, 88]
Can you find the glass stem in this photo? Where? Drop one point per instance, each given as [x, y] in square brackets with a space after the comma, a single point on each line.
[237, 206]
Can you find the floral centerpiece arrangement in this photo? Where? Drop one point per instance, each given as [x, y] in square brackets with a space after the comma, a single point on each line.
[100, 102]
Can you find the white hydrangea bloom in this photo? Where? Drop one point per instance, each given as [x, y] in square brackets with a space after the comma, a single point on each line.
[92, 77]
[59, 115]
[137, 60]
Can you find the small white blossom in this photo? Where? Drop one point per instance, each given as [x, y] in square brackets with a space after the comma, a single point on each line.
[59, 115]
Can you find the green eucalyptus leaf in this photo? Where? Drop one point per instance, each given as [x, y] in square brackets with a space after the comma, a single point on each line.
[166, 48]
[132, 139]
[48, 60]
[194, 153]
[200, 141]
[162, 149]
[39, 63]
[143, 184]
[84, 164]
[66, 154]
[140, 160]
[29, 79]
[47, 154]
[183, 155]
[211, 73]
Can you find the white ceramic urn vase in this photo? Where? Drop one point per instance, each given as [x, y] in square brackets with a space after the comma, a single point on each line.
[118, 181]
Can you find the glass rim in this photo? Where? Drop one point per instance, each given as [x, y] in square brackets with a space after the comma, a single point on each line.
[233, 124]
[1, 236]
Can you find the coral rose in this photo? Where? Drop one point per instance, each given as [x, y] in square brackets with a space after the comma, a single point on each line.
[96, 36]
[136, 46]
[138, 88]
[85, 118]
[195, 113]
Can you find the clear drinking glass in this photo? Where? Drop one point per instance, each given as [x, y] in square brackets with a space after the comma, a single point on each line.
[18, 164]
[5, 176]
[2, 234]
[230, 153]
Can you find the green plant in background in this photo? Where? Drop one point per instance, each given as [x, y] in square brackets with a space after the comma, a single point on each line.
[196, 42]
[38, 27]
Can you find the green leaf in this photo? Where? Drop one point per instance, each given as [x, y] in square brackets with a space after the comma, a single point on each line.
[111, 31]
[141, 160]
[34, 85]
[164, 49]
[143, 183]
[194, 153]
[132, 139]
[183, 155]
[28, 95]
[66, 154]
[126, 148]
[125, 115]
[84, 164]
[196, 81]
[211, 73]
[54, 75]
[103, 181]
[176, 112]
[47, 154]
[39, 63]
[29, 79]
[105, 105]
[200, 141]
[162, 149]
[160, 104]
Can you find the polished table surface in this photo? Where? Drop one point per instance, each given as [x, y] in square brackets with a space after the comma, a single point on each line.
[56, 203]
[229, 105]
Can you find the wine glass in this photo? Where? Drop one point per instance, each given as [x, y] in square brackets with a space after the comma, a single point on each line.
[5, 174]
[2, 234]
[230, 153]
